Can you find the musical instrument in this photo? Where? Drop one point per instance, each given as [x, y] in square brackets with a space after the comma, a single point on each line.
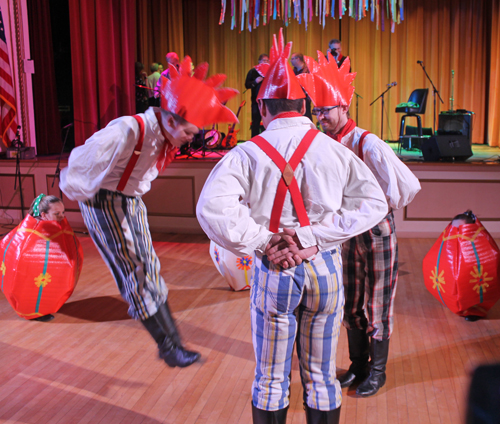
[230, 140]
[213, 139]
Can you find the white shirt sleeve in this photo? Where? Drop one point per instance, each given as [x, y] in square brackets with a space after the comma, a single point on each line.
[88, 165]
[399, 184]
[221, 213]
[363, 206]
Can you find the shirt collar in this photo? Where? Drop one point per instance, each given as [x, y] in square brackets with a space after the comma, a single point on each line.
[298, 121]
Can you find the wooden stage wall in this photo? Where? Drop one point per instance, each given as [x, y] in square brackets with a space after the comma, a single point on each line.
[447, 189]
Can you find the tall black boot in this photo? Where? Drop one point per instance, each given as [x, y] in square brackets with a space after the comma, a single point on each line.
[260, 416]
[315, 416]
[358, 354]
[162, 327]
[379, 352]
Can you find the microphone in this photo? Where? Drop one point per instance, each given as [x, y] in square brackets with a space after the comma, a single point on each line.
[392, 84]
[420, 62]
[67, 126]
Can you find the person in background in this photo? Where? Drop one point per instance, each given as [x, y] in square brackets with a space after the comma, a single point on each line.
[172, 59]
[300, 67]
[151, 83]
[335, 49]
[253, 82]
[141, 95]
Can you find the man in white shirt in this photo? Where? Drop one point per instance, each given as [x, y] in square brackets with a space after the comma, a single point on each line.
[370, 259]
[245, 207]
[115, 167]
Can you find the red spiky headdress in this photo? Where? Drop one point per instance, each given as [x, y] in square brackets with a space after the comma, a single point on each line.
[327, 84]
[279, 80]
[193, 97]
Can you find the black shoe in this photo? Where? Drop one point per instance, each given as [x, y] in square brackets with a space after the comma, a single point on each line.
[44, 318]
[379, 352]
[259, 416]
[315, 416]
[179, 357]
[162, 327]
[359, 354]
[472, 318]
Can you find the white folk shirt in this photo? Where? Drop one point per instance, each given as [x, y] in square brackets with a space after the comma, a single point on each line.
[396, 180]
[341, 196]
[101, 161]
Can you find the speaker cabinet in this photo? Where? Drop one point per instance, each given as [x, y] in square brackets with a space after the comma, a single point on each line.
[455, 123]
[446, 148]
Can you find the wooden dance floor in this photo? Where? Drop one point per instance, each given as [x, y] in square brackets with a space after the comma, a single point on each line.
[92, 364]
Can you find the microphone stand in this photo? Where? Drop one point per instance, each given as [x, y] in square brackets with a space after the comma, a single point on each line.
[18, 145]
[382, 123]
[357, 108]
[58, 168]
[435, 91]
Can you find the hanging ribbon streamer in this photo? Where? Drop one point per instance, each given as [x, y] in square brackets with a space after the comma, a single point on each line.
[378, 10]
[222, 12]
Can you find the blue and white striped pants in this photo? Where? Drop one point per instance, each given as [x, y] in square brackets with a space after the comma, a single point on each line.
[303, 304]
[118, 225]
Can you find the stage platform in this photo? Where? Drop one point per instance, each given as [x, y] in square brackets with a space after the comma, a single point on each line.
[448, 188]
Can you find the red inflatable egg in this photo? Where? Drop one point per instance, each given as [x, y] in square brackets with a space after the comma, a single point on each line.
[462, 269]
[41, 263]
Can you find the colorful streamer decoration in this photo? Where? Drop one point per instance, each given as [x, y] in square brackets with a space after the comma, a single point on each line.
[304, 10]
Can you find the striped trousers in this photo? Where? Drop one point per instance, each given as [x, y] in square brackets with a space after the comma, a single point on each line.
[370, 277]
[303, 304]
[118, 225]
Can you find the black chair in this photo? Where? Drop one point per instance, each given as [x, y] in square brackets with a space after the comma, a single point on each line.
[418, 96]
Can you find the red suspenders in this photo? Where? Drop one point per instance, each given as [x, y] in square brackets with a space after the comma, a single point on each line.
[360, 145]
[288, 182]
[135, 156]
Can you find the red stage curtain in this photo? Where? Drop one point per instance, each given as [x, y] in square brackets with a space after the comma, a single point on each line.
[47, 118]
[102, 55]
[159, 31]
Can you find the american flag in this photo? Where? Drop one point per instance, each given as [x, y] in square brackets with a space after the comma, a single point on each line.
[8, 123]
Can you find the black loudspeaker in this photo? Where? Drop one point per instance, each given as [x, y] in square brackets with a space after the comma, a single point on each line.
[446, 148]
[455, 123]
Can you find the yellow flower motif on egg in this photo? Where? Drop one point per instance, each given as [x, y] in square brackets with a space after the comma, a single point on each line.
[437, 280]
[42, 280]
[480, 278]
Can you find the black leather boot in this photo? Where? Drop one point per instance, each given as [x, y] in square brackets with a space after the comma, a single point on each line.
[379, 352]
[162, 327]
[259, 416]
[315, 416]
[358, 354]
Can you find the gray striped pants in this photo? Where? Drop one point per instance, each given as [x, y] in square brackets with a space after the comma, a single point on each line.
[118, 225]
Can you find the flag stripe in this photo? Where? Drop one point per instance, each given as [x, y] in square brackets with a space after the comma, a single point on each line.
[8, 110]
